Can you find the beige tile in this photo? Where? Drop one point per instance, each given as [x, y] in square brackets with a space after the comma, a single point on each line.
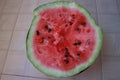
[109, 44]
[7, 21]
[11, 77]
[8, 77]
[2, 2]
[23, 22]
[18, 41]
[2, 59]
[88, 4]
[107, 6]
[28, 6]
[117, 45]
[68, 0]
[30, 70]
[4, 45]
[45, 1]
[111, 68]
[15, 63]
[5, 35]
[109, 23]
[12, 6]
[5, 39]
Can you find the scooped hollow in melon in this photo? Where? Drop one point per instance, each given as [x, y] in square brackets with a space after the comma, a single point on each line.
[63, 39]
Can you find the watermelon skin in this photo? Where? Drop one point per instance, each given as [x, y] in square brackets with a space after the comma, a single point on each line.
[79, 68]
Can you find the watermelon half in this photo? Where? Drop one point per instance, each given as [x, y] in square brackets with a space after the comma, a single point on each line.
[63, 39]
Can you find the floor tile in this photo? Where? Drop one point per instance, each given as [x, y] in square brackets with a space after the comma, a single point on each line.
[28, 6]
[15, 63]
[92, 73]
[18, 41]
[109, 23]
[118, 4]
[23, 21]
[111, 45]
[68, 0]
[117, 45]
[118, 1]
[12, 6]
[107, 6]
[8, 77]
[7, 21]
[30, 70]
[110, 68]
[44, 1]
[2, 2]
[5, 37]
[2, 59]
[12, 77]
[88, 4]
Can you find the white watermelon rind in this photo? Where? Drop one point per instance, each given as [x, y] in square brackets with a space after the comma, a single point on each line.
[79, 68]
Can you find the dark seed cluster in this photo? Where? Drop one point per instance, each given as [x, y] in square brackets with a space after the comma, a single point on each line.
[83, 24]
[70, 23]
[67, 54]
[66, 61]
[78, 54]
[37, 32]
[47, 28]
[78, 43]
[77, 29]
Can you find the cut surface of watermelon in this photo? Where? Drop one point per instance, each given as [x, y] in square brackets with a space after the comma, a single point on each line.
[63, 39]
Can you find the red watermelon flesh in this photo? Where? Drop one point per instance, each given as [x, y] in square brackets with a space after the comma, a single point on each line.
[63, 38]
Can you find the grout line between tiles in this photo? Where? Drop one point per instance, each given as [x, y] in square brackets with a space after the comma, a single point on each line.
[0, 76]
[10, 40]
[101, 51]
[3, 8]
[118, 6]
[96, 10]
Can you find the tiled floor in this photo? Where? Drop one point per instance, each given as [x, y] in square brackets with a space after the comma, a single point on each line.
[15, 19]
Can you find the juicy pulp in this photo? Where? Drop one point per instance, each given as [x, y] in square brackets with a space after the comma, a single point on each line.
[63, 38]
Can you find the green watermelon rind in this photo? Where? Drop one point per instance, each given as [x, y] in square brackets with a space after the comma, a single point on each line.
[79, 68]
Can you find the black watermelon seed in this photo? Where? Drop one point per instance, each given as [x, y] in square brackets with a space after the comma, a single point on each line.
[66, 61]
[37, 32]
[77, 29]
[77, 43]
[66, 49]
[49, 37]
[60, 15]
[46, 27]
[66, 55]
[49, 30]
[78, 54]
[73, 15]
[70, 23]
[83, 23]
